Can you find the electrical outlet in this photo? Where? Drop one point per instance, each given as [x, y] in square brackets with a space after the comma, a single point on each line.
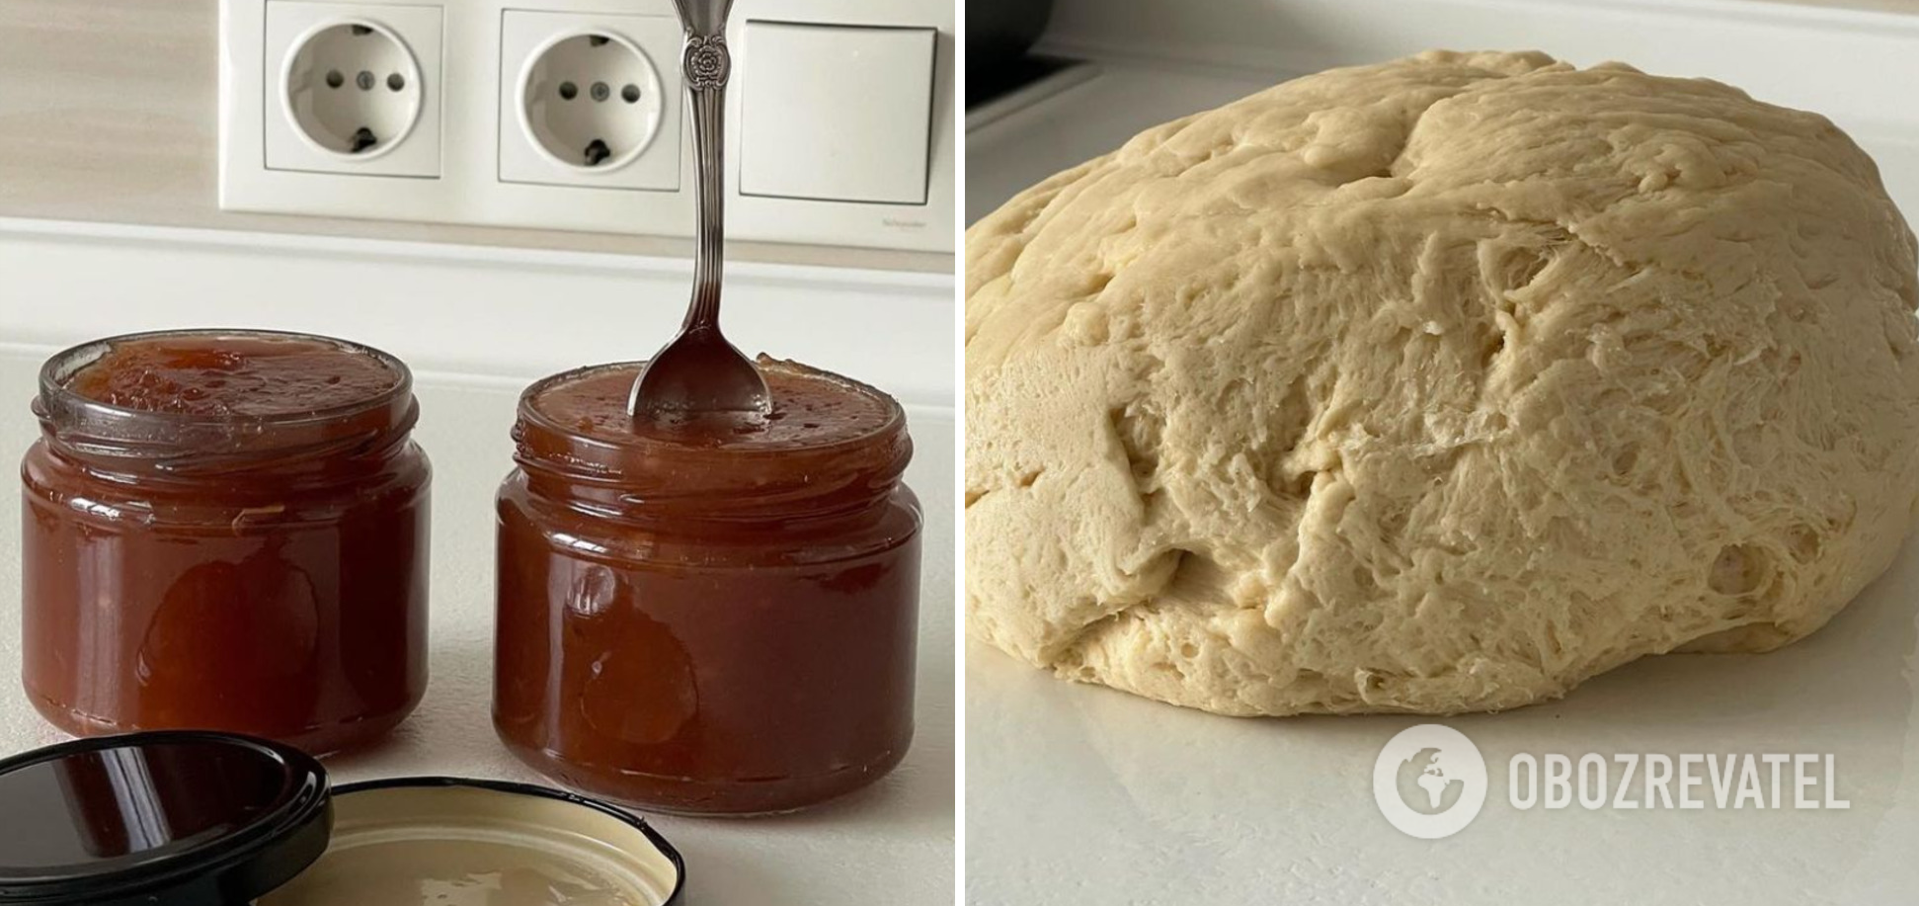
[481, 129]
[352, 88]
[590, 100]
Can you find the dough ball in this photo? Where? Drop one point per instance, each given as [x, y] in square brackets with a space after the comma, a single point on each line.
[1435, 386]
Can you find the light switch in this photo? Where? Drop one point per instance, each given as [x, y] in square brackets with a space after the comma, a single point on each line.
[836, 112]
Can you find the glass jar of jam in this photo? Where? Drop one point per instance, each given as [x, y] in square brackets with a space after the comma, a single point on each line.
[717, 617]
[226, 530]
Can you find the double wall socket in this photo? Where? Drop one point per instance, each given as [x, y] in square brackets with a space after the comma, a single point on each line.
[568, 114]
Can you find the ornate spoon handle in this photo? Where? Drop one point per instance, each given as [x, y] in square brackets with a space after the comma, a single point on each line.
[707, 66]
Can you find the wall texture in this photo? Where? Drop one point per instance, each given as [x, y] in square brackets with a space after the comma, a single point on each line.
[109, 112]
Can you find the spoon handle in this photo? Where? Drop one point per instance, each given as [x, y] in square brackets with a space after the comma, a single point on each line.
[707, 65]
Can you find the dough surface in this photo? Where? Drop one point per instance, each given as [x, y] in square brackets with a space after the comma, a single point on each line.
[1437, 386]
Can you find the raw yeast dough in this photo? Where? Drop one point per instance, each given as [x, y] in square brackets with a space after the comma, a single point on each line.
[1439, 385]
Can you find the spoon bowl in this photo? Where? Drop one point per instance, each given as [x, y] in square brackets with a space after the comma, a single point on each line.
[699, 372]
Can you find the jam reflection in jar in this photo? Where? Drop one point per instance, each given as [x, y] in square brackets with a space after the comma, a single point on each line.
[717, 617]
[226, 530]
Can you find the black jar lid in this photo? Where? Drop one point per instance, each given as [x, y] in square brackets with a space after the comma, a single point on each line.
[187, 818]
[165, 819]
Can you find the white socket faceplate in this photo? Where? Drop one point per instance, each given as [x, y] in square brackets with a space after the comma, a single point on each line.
[469, 158]
[546, 130]
[331, 70]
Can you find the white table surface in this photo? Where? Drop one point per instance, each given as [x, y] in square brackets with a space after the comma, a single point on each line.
[1081, 795]
[888, 845]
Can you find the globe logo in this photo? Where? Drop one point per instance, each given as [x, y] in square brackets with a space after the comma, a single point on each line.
[1430, 781]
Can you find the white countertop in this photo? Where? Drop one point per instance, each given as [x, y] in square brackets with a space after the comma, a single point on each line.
[889, 845]
[1081, 795]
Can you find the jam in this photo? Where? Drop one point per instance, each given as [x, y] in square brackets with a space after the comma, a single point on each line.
[234, 375]
[226, 530]
[711, 617]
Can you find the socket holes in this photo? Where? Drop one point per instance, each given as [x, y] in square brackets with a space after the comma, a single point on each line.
[589, 137]
[360, 124]
[600, 92]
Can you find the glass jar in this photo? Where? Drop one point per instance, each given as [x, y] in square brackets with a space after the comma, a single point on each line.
[226, 530]
[718, 620]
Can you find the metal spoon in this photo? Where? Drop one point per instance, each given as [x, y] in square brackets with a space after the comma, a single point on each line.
[699, 371]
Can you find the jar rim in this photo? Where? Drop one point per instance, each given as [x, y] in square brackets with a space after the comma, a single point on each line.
[660, 472]
[60, 368]
[637, 443]
[83, 426]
